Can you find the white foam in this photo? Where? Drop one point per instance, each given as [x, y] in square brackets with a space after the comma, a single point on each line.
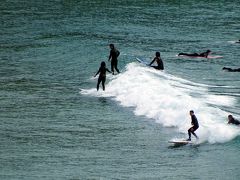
[167, 100]
[234, 42]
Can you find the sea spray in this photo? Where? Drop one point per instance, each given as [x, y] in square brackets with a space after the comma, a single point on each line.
[167, 99]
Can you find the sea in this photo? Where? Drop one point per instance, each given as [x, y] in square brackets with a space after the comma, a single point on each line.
[54, 124]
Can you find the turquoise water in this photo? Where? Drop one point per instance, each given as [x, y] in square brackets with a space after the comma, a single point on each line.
[55, 125]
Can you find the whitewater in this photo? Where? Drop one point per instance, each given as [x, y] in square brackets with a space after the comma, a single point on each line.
[167, 99]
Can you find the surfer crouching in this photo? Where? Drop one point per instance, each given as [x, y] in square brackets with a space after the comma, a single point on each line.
[159, 62]
[194, 127]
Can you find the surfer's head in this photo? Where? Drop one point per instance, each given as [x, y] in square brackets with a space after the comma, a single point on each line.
[191, 112]
[103, 64]
[230, 117]
[157, 54]
[111, 46]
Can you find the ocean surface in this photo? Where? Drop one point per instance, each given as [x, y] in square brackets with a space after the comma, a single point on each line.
[54, 124]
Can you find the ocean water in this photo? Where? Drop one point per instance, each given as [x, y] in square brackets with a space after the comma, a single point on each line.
[55, 125]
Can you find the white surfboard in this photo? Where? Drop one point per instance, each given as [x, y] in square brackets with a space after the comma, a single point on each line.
[234, 42]
[208, 57]
[180, 142]
[142, 61]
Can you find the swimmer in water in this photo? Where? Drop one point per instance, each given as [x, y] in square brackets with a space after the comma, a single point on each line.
[203, 54]
[232, 120]
[231, 70]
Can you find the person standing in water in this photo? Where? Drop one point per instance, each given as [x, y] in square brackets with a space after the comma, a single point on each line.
[102, 75]
[159, 62]
[194, 127]
[114, 53]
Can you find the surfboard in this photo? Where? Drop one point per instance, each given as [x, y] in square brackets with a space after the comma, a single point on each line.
[140, 60]
[234, 42]
[209, 57]
[214, 57]
[180, 142]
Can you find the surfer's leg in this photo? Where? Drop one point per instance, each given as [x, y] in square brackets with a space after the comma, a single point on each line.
[103, 82]
[195, 135]
[189, 134]
[116, 64]
[99, 81]
[112, 66]
[181, 54]
[184, 54]
[194, 129]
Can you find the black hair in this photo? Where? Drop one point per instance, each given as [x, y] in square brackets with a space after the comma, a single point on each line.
[158, 54]
[111, 45]
[103, 64]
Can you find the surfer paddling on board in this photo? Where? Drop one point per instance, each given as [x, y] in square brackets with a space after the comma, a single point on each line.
[230, 69]
[102, 75]
[159, 62]
[194, 127]
[232, 120]
[114, 53]
[203, 54]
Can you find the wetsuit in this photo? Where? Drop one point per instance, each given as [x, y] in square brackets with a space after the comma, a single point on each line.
[231, 70]
[186, 54]
[194, 127]
[114, 53]
[204, 54]
[159, 63]
[234, 121]
[102, 76]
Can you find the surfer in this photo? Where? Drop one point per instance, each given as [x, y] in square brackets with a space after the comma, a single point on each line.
[195, 126]
[159, 62]
[203, 54]
[231, 120]
[114, 53]
[231, 70]
[102, 76]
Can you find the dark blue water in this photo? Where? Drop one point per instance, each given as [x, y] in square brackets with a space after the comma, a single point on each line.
[55, 125]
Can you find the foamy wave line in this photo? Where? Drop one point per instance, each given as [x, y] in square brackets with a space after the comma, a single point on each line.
[167, 99]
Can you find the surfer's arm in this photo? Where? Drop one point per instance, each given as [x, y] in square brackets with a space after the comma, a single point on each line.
[110, 55]
[108, 70]
[97, 73]
[152, 62]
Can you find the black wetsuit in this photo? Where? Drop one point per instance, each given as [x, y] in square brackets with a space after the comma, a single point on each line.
[194, 122]
[194, 127]
[231, 70]
[102, 76]
[159, 61]
[186, 54]
[204, 54]
[234, 121]
[114, 53]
